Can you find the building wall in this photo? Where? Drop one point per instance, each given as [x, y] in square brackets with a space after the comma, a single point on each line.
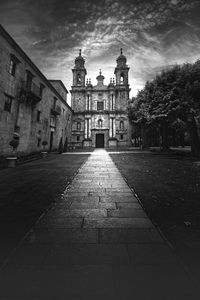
[23, 119]
[58, 85]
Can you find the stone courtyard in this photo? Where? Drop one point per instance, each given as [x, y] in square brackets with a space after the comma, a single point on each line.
[96, 242]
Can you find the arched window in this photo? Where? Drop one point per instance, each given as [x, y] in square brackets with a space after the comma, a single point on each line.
[78, 126]
[100, 123]
[78, 78]
[121, 125]
[121, 78]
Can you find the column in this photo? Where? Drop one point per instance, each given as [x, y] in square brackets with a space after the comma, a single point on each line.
[85, 128]
[89, 128]
[110, 127]
[114, 127]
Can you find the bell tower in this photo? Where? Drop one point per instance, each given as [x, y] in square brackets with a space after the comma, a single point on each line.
[121, 71]
[79, 71]
[122, 84]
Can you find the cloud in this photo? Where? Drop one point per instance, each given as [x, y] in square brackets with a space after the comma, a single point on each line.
[153, 34]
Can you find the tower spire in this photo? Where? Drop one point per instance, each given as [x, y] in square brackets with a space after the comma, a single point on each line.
[121, 51]
[79, 52]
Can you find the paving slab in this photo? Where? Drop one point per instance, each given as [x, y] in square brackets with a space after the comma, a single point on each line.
[77, 213]
[134, 205]
[60, 222]
[153, 282]
[87, 254]
[61, 235]
[130, 235]
[93, 205]
[117, 223]
[127, 213]
[57, 281]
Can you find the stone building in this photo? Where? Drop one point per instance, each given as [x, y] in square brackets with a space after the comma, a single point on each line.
[100, 116]
[32, 108]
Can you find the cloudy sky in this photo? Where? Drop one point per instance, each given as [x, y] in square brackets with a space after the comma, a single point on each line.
[153, 34]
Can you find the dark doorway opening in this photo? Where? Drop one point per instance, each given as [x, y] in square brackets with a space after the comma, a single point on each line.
[51, 142]
[99, 140]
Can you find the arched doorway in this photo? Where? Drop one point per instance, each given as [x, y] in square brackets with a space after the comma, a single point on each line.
[100, 140]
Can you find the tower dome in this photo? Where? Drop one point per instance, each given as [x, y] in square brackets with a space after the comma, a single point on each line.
[121, 60]
[79, 61]
[100, 78]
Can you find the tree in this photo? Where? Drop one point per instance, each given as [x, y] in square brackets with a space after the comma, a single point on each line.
[172, 95]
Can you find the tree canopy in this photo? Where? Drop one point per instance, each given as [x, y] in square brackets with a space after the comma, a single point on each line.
[172, 95]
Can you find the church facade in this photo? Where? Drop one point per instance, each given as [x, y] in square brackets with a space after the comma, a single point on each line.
[100, 117]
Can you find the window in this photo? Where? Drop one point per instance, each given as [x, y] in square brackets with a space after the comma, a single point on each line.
[38, 115]
[121, 136]
[8, 103]
[78, 126]
[78, 138]
[121, 125]
[41, 89]
[121, 78]
[29, 78]
[78, 78]
[13, 64]
[39, 142]
[88, 102]
[12, 67]
[100, 105]
[100, 123]
[54, 102]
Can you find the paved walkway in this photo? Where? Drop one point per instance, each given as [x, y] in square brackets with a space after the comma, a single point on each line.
[96, 243]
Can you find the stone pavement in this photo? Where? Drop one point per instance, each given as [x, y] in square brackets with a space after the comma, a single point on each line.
[96, 243]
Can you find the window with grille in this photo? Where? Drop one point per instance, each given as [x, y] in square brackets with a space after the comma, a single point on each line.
[12, 67]
[41, 89]
[8, 103]
[13, 64]
[29, 79]
[100, 105]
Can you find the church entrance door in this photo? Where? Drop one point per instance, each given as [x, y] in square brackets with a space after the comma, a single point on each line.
[100, 140]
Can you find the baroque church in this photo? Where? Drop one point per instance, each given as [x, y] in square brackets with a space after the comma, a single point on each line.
[100, 117]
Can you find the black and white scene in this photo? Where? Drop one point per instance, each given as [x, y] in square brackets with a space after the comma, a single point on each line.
[100, 150]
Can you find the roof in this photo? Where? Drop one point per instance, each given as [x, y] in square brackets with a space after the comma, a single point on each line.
[100, 87]
[61, 83]
[17, 48]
